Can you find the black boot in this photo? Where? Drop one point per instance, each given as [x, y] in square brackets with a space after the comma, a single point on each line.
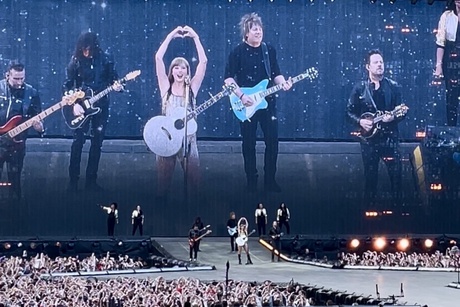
[239, 259]
[249, 260]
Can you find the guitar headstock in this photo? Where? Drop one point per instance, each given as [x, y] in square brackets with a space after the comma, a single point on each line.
[132, 75]
[71, 96]
[311, 73]
[208, 231]
[400, 110]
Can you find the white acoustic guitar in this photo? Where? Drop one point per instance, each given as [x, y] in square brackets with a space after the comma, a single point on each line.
[164, 135]
[240, 241]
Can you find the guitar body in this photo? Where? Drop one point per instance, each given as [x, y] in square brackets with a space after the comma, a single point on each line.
[363, 134]
[7, 144]
[243, 112]
[240, 241]
[75, 122]
[164, 135]
[232, 231]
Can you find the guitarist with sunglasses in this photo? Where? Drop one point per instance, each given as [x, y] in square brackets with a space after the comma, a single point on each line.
[93, 69]
[17, 98]
[378, 94]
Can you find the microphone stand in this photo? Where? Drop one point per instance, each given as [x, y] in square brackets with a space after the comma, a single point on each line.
[185, 142]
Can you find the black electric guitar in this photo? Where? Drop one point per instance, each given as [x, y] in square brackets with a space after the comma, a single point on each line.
[89, 101]
[16, 126]
[377, 118]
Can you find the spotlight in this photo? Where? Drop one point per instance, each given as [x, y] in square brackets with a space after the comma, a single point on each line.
[380, 243]
[19, 244]
[354, 243]
[403, 244]
[33, 245]
[373, 1]
[428, 243]
[392, 1]
[6, 245]
[120, 243]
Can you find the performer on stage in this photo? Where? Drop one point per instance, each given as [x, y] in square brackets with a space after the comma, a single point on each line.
[198, 223]
[246, 67]
[275, 234]
[448, 58]
[172, 89]
[92, 68]
[243, 226]
[283, 216]
[378, 93]
[137, 220]
[193, 236]
[261, 219]
[112, 218]
[231, 226]
[17, 98]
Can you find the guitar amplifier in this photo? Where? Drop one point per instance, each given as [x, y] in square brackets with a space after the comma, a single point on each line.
[437, 163]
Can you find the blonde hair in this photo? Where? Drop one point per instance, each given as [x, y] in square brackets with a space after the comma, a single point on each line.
[247, 22]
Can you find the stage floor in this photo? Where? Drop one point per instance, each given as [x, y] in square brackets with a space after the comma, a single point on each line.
[428, 288]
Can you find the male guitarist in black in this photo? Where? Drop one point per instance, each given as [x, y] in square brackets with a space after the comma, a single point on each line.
[17, 98]
[275, 234]
[378, 93]
[246, 67]
[89, 68]
[194, 242]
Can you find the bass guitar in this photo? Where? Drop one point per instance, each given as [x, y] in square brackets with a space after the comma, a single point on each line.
[259, 92]
[89, 102]
[192, 241]
[240, 241]
[164, 135]
[14, 127]
[377, 118]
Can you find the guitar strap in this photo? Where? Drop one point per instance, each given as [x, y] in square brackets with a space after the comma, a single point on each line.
[266, 61]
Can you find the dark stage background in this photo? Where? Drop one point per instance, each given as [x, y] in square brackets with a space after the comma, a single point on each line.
[321, 180]
[330, 35]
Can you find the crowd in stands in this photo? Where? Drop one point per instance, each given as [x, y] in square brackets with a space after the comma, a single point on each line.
[450, 259]
[21, 284]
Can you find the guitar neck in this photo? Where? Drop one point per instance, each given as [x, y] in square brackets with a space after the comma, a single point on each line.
[380, 117]
[278, 87]
[40, 116]
[205, 105]
[99, 95]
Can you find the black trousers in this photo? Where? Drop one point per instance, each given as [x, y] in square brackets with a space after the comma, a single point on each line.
[286, 224]
[261, 227]
[14, 163]
[138, 225]
[451, 70]
[233, 245]
[98, 125]
[110, 227]
[386, 149]
[194, 250]
[269, 124]
[276, 245]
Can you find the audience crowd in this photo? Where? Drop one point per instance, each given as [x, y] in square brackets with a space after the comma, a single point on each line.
[21, 284]
[451, 259]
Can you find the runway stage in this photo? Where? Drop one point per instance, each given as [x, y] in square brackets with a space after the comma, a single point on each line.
[321, 182]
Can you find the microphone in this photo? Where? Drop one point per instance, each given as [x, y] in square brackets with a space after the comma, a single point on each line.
[187, 80]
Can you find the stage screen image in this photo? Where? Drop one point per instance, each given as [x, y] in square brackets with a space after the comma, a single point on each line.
[321, 48]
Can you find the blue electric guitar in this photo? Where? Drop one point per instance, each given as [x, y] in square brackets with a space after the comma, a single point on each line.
[259, 92]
